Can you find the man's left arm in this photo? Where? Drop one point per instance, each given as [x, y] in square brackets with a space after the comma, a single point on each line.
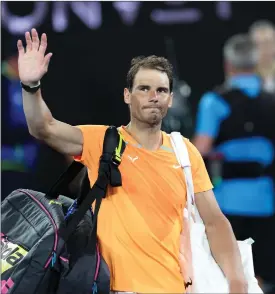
[222, 241]
[219, 232]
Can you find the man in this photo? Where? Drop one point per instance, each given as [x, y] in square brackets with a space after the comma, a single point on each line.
[235, 122]
[139, 223]
[263, 34]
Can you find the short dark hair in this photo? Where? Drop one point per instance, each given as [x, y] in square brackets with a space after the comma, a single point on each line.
[149, 62]
[241, 52]
[261, 24]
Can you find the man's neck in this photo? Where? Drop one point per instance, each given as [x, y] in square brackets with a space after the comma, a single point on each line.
[149, 137]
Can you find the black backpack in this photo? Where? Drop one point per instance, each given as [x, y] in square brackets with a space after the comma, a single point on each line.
[49, 242]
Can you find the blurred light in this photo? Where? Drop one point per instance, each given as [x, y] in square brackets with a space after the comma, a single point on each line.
[223, 9]
[16, 111]
[185, 90]
[173, 16]
[128, 11]
[174, 3]
[18, 157]
[60, 16]
[20, 24]
[88, 12]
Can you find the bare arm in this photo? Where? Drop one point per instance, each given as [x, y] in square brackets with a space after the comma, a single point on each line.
[222, 241]
[203, 143]
[43, 126]
[32, 65]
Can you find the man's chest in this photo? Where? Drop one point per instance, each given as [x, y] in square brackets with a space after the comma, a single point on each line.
[156, 174]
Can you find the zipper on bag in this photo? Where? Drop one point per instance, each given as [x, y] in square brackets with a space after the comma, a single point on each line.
[53, 253]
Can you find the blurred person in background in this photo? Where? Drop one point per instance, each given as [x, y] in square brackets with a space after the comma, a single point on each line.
[235, 134]
[262, 33]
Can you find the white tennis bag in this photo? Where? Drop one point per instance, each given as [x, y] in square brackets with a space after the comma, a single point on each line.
[208, 276]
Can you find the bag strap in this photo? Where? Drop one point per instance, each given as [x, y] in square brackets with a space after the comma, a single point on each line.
[108, 173]
[182, 155]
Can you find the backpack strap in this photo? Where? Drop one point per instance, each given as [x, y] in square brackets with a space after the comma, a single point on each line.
[108, 173]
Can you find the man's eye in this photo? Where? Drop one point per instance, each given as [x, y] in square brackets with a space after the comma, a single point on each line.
[144, 89]
[162, 90]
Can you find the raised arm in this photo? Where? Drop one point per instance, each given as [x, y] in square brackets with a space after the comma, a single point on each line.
[32, 66]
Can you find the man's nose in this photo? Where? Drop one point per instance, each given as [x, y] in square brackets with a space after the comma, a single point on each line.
[153, 95]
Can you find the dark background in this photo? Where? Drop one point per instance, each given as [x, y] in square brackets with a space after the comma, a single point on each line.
[87, 72]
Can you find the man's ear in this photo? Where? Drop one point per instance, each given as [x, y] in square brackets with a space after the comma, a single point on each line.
[171, 100]
[127, 96]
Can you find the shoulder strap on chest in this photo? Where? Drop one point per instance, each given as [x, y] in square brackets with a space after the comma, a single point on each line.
[182, 155]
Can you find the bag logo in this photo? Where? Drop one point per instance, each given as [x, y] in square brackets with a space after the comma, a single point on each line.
[54, 202]
[11, 254]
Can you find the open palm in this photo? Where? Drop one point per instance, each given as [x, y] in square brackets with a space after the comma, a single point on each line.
[32, 62]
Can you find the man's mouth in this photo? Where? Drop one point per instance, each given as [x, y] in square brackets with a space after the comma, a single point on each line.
[152, 107]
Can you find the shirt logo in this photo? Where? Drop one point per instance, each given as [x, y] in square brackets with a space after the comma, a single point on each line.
[133, 159]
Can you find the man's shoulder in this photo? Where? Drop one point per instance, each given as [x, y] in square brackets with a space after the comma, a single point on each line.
[212, 108]
[93, 133]
[192, 149]
[211, 98]
[99, 128]
[190, 146]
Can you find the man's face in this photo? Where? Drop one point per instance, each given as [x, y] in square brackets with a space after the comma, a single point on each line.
[150, 97]
[265, 41]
